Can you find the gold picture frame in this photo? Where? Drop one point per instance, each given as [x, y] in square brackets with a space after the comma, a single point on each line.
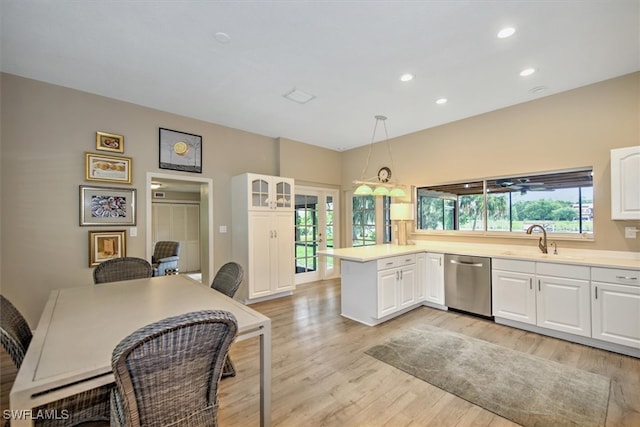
[109, 142]
[100, 167]
[106, 245]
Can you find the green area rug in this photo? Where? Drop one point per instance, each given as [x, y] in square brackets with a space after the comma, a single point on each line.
[525, 389]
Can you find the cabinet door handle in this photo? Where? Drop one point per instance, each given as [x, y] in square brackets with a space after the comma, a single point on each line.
[530, 283]
[389, 263]
[539, 290]
[397, 276]
[626, 277]
[596, 292]
[440, 262]
[275, 233]
[401, 274]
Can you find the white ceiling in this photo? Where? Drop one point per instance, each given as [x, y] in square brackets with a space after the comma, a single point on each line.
[348, 54]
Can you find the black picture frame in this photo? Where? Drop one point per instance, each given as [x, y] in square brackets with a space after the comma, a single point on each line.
[180, 151]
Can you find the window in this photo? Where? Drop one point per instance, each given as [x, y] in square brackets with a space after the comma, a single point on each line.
[364, 227]
[364, 221]
[562, 202]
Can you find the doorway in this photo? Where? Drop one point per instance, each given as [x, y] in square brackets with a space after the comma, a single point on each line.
[203, 186]
[315, 229]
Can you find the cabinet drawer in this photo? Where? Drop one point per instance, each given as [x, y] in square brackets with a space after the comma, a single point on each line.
[396, 261]
[615, 275]
[562, 270]
[513, 265]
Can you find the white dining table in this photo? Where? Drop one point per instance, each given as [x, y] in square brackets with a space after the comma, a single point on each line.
[72, 345]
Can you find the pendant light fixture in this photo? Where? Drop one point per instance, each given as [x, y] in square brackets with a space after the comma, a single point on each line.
[382, 185]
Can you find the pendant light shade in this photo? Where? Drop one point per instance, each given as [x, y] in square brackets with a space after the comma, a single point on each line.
[397, 192]
[363, 190]
[381, 191]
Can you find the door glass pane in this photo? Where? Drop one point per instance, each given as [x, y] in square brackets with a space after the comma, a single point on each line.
[329, 228]
[306, 233]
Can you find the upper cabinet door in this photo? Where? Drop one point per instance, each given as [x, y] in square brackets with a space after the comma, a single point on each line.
[625, 183]
[270, 192]
[283, 193]
[259, 188]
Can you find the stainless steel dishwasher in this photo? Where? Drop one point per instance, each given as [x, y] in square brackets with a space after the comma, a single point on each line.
[467, 284]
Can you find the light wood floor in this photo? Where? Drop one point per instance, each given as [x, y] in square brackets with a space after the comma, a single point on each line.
[321, 376]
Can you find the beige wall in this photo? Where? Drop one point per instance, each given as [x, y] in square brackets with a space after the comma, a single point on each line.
[46, 129]
[572, 129]
[309, 163]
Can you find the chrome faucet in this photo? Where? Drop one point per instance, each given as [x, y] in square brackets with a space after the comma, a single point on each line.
[542, 243]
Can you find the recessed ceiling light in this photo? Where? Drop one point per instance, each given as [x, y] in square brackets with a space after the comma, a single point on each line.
[223, 38]
[407, 77]
[441, 101]
[506, 32]
[537, 89]
[527, 72]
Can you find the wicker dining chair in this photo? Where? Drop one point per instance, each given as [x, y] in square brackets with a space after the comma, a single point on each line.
[92, 406]
[227, 281]
[126, 268]
[167, 373]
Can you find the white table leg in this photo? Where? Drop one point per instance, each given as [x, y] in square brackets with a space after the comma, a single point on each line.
[265, 376]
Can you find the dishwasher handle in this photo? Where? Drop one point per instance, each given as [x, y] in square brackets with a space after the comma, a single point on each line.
[469, 264]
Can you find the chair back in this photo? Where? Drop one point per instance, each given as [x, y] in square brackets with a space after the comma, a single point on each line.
[168, 372]
[165, 249]
[227, 280]
[126, 268]
[15, 334]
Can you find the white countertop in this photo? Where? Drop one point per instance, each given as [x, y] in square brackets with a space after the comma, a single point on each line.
[609, 259]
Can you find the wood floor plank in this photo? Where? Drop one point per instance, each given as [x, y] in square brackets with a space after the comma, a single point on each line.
[321, 376]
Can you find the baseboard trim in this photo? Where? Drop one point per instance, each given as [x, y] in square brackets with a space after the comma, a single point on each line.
[603, 345]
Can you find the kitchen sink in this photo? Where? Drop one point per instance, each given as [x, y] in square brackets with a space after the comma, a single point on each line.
[543, 256]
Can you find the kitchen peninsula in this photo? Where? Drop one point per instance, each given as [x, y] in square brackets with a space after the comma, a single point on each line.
[381, 282]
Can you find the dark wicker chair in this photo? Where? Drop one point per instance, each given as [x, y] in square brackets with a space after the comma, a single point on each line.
[167, 373]
[92, 406]
[166, 255]
[227, 280]
[117, 269]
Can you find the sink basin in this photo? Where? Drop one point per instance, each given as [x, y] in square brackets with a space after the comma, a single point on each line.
[541, 255]
[552, 256]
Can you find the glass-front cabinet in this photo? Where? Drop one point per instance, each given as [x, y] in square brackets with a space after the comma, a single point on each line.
[270, 192]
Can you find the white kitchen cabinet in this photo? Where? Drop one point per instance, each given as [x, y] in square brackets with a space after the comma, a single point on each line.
[563, 298]
[421, 276]
[625, 183]
[435, 279]
[263, 237]
[267, 193]
[548, 295]
[513, 293]
[375, 291]
[616, 306]
[396, 284]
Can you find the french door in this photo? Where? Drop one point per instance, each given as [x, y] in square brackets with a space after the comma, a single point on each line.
[315, 229]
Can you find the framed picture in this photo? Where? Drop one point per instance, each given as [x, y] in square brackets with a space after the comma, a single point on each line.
[100, 167]
[107, 206]
[109, 142]
[180, 151]
[106, 245]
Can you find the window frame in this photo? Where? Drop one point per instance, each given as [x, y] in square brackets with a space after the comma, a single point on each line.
[511, 234]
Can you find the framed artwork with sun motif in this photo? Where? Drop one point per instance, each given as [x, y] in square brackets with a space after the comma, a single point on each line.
[180, 151]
